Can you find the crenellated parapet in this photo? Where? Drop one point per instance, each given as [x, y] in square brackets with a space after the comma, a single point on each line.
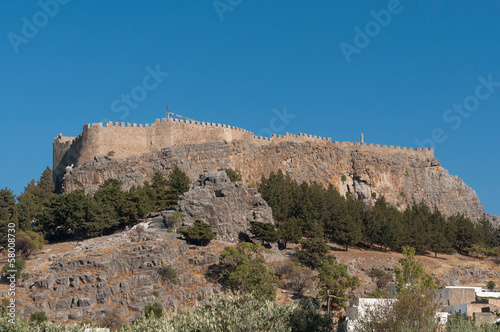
[122, 140]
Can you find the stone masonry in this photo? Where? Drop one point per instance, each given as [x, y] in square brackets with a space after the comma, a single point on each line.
[121, 140]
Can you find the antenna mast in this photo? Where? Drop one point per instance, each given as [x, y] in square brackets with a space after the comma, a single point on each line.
[176, 115]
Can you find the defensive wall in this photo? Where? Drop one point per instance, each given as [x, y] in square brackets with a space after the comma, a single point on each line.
[122, 140]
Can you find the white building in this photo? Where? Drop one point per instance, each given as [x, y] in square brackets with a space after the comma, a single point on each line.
[360, 306]
[480, 292]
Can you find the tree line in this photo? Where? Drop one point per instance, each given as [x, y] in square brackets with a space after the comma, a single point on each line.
[301, 210]
[310, 210]
[40, 213]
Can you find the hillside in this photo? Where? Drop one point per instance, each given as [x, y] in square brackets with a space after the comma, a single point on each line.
[450, 270]
[75, 280]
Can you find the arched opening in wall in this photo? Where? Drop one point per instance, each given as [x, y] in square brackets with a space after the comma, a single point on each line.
[219, 193]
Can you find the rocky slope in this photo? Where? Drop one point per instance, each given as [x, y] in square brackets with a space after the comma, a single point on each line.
[119, 273]
[450, 270]
[229, 207]
[404, 179]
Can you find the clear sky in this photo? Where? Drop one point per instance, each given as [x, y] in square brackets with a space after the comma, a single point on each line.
[409, 73]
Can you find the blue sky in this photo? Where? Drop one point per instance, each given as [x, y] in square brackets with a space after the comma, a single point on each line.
[403, 73]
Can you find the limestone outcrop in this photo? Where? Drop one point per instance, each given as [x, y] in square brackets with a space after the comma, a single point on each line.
[117, 272]
[403, 178]
[229, 207]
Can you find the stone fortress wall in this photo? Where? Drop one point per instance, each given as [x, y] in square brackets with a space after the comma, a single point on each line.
[122, 140]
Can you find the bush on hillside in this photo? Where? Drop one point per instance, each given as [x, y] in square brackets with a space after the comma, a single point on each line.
[200, 233]
[39, 317]
[233, 174]
[17, 265]
[153, 310]
[168, 274]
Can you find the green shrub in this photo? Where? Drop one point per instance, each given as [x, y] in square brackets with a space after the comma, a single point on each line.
[245, 271]
[28, 242]
[264, 231]
[168, 274]
[16, 265]
[491, 285]
[200, 233]
[112, 320]
[232, 312]
[38, 317]
[343, 178]
[308, 317]
[87, 322]
[233, 174]
[153, 310]
[243, 312]
[462, 323]
[380, 277]
[377, 293]
[173, 220]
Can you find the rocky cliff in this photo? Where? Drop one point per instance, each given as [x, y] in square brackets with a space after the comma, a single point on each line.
[229, 207]
[403, 178]
[117, 272]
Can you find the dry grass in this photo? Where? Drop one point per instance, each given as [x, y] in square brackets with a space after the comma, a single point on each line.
[438, 266]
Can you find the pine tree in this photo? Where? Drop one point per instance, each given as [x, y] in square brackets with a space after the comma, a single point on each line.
[8, 213]
[159, 188]
[313, 252]
[335, 282]
[178, 181]
[137, 204]
[466, 234]
[264, 231]
[200, 233]
[439, 238]
[7, 199]
[113, 198]
[35, 198]
[290, 231]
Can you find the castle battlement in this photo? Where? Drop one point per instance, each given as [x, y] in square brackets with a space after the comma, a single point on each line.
[122, 140]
